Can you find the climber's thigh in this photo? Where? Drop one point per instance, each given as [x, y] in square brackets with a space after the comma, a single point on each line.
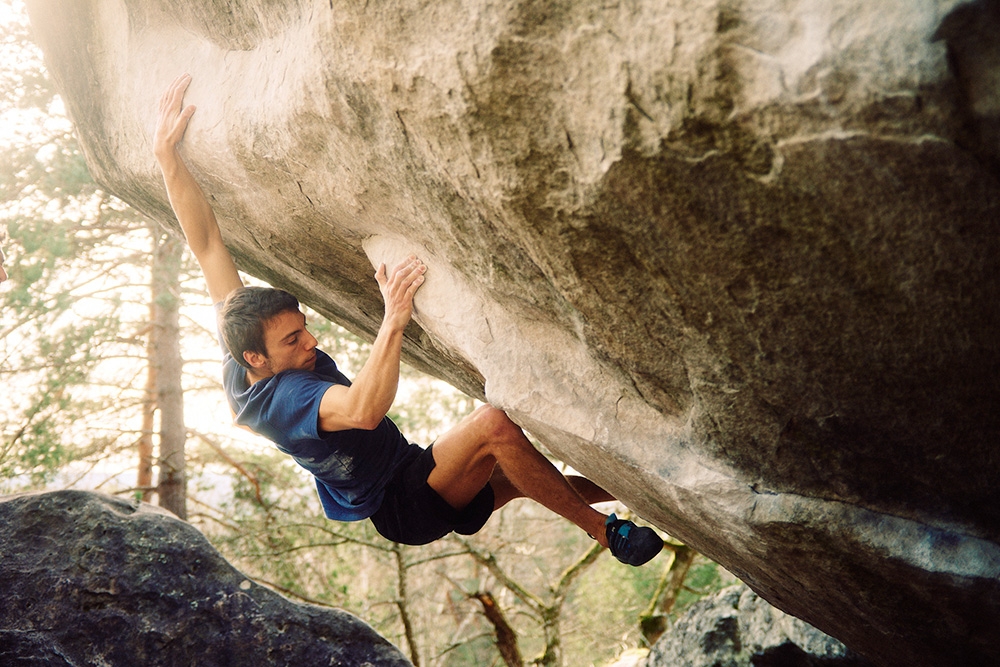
[463, 460]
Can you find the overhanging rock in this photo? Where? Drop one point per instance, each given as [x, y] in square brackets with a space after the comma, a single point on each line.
[736, 261]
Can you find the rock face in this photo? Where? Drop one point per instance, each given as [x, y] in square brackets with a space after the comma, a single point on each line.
[735, 628]
[736, 261]
[88, 579]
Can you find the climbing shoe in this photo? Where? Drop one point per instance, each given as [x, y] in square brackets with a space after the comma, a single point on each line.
[629, 543]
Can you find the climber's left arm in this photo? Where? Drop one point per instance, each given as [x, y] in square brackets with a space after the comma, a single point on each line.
[194, 213]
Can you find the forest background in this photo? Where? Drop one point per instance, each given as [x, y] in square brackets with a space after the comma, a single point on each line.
[110, 365]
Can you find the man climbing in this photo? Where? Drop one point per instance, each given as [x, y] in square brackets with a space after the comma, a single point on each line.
[280, 386]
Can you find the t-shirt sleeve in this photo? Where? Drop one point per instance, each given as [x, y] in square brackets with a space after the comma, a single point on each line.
[286, 407]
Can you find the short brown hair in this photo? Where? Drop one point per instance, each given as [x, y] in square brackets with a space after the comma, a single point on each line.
[243, 315]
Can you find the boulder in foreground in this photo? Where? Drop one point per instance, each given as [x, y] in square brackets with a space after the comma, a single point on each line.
[89, 579]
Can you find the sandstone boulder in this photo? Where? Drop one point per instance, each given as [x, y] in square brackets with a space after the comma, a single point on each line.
[89, 579]
[736, 261]
[736, 628]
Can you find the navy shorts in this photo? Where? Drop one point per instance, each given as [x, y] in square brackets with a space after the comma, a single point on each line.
[413, 513]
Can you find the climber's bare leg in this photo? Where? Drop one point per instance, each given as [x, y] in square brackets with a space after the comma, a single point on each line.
[590, 491]
[467, 457]
[504, 491]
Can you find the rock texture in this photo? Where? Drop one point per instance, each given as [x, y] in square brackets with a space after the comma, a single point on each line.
[737, 261]
[736, 628]
[88, 579]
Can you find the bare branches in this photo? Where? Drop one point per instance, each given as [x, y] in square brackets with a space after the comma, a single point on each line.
[506, 637]
[218, 449]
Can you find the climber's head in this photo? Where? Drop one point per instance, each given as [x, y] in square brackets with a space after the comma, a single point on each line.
[265, 332]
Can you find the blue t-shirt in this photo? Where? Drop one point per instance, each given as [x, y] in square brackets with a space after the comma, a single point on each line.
[351, 467]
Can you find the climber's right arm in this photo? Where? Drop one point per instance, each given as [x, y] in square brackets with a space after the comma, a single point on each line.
[189, 203]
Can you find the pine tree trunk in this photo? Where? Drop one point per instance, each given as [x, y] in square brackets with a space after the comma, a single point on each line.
[166, 360]
[144, 478]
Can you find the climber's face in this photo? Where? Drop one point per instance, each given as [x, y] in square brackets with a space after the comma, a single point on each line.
[3, 271]
[289, 346]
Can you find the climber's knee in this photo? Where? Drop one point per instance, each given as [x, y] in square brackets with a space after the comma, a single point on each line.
[492, 422]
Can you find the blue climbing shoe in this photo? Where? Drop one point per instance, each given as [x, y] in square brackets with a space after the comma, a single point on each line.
[629, 543]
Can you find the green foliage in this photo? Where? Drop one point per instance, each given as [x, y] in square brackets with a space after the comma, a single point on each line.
[50, 406]
[23, 81]
[74, 313]
[56, 323]
[704, 578]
